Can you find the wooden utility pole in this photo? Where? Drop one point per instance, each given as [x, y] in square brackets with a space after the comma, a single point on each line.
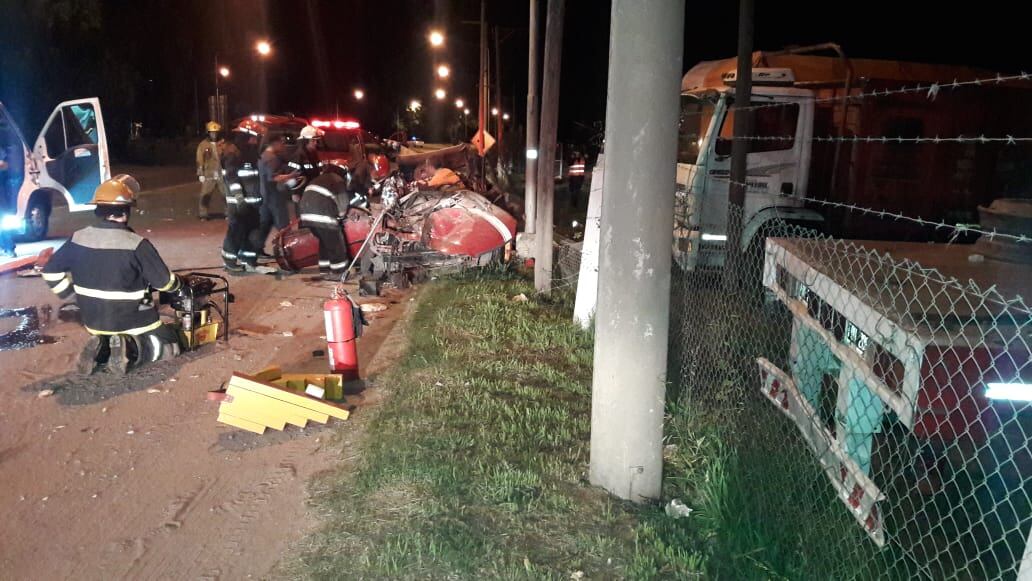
[530, 174]
[498, 97]
[633, 315]
[482, 82]
[740, 146]
[549, 135]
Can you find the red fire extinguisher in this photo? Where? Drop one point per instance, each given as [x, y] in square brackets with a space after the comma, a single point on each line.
[344, 322]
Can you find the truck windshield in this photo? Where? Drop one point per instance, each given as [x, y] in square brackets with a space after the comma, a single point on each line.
[696, 114]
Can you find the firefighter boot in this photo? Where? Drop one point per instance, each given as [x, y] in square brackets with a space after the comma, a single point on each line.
[90, 354]
[118, 361]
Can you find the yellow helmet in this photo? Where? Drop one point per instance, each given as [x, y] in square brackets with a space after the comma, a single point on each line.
[120, 190]
[212, 127]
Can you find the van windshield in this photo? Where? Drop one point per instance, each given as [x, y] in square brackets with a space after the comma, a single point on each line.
[696, 113]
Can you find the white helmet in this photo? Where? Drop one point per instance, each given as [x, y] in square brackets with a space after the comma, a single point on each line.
[310, 132]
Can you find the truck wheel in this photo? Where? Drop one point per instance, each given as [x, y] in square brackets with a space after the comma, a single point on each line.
[37, 219]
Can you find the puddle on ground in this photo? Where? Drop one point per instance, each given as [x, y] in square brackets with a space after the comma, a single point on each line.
[20, 328]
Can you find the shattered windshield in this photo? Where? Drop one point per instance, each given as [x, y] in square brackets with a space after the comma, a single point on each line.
[696, 113]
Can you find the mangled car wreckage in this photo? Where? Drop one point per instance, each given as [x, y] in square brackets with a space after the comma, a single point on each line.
[426, 216]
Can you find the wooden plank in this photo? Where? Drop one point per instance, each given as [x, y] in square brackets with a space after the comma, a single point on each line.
[241, 423]
[268, 374]
[290, 413]
[273, 391]
[253, 412]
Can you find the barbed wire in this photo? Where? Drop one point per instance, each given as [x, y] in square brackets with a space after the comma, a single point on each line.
[1007, 139]
[957, 229]
[931, 90]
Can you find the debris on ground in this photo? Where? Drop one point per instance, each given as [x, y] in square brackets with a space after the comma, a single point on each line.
[272, 399]
[678, 509]
[253, 330]
[520, 298]
[286, 304]
[45, 393]
[373, 307]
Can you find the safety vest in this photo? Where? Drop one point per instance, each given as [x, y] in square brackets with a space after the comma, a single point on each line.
[577, 167]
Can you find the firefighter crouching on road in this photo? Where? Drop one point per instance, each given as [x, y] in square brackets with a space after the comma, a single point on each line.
[209, 168]
[112, 270]
[324, 203]
[239, 250]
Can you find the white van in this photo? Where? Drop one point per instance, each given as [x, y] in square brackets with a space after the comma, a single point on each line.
[68, 160]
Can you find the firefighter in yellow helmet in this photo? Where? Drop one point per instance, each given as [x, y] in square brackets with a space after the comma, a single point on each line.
[112, 272]
[209, 168]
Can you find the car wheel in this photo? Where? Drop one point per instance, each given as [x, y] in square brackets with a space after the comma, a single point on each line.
[37, 220]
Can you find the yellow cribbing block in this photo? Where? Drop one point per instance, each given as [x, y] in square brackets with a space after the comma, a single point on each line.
[241, 423]
[275, 392]
[290, 413]
[249, 411]
[268, 374]
[331, 382]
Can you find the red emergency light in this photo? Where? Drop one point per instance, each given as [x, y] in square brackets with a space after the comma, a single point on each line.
[336, 124]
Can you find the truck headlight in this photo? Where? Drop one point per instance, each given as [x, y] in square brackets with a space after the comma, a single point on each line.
[11, 222]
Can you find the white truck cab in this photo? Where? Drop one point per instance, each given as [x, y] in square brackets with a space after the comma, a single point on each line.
[776, 166]
[68, 160]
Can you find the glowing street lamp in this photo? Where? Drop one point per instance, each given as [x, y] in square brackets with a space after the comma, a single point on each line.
[443, 71]
[224, 72]
[436, 38]
[459, 103]
[440, 94]
[414, 105]
[359, 94]
[505, 116]
[494, 111]
[263, 47]
[465, 111]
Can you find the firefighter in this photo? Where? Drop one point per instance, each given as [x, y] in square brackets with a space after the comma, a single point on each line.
[239, 248]
[575, 176]
[273, 176]
[324, 204]
[112, 271]
[306, 157]
[209, 168]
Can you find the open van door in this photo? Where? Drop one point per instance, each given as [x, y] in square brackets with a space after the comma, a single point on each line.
[72, 155]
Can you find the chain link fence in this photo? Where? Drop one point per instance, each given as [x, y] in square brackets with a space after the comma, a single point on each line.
[874, 411]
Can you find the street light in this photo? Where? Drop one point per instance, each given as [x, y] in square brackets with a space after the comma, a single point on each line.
[494, 111]
[224, 72]
[505, 116]
[440, 94]
[359, 94]
[414, 105]
[263, 47]
[465, 111]
[436, 38]
[459, 103]
[443, 71]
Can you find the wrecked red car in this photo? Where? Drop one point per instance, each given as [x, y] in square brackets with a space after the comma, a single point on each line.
[433, 221]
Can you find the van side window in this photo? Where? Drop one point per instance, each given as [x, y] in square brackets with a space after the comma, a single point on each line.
[773, 121]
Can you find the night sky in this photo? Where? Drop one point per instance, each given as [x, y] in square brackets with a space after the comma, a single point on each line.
[147, 60]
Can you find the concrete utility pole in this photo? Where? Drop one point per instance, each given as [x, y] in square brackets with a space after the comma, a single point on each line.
[549, 135]
[629, 385]
[740, 147]
[530, 182]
